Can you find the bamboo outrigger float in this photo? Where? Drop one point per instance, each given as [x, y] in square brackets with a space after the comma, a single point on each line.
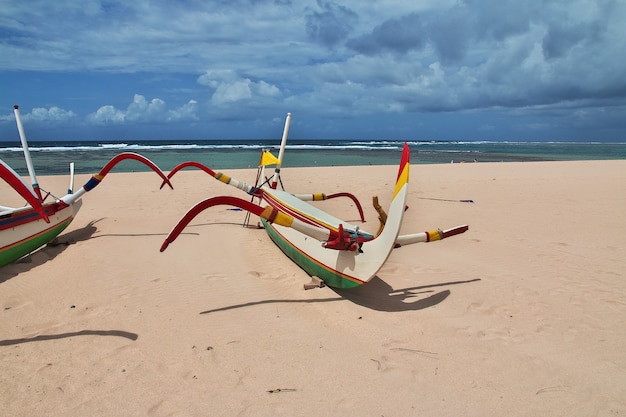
[333, 252]
[25, 229]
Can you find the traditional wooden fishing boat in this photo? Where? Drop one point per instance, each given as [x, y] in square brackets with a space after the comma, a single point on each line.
[332, 251]
[25, 229]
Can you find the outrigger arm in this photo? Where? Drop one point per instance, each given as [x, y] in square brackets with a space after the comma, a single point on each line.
[217, 175]
[257, 191]
[95, 179]
[430, 236]
[272, 215]
[322, 196]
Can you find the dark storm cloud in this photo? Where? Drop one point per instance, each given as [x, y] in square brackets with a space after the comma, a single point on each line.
[330, 26]
[500, 19]
[451, 34]
[563, 36]
[395, 35]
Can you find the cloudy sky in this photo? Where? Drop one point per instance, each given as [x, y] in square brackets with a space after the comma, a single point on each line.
[345, 69]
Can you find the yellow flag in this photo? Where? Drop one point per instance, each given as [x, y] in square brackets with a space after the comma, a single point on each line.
[268, 159]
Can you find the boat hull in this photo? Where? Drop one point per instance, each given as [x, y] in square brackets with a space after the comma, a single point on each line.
[24, 231]
[315, 268]
[337, 268]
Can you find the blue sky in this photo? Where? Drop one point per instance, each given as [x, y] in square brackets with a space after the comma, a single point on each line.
[385, 69]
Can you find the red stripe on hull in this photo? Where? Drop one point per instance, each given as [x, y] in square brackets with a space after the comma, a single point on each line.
[19, 218]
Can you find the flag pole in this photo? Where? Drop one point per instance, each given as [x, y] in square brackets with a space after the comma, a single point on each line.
[283, 143]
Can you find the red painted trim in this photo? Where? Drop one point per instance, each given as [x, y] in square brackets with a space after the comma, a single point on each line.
[135, 156]
[11, 177]
[28, 216]
[193, 164]
[406, 156]
[455, 231]
[353, 198]
[277, 204]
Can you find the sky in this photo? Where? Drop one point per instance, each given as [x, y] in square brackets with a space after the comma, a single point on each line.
[537, 70]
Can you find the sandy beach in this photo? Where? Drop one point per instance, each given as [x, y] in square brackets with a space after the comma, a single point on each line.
[523, 315]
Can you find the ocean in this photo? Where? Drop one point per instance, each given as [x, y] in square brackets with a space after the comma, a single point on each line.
[53, 158]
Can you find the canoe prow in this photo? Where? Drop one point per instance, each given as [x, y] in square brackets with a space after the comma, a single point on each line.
[338, 262]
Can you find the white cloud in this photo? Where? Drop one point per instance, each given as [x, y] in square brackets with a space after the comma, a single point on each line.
[142, 111]
[186, 112]
[231, 92]
[230, 88]
[264, 89]
[52, 114]
[213, 78]
[106, 115]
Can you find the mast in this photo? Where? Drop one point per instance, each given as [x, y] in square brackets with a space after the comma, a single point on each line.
[283, 143]
[29, 162]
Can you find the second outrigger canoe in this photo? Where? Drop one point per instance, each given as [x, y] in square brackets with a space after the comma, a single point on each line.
[25, 229]
[334, 252]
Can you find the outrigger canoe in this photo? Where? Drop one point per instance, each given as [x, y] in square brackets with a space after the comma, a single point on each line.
[25, 229]
[332, 251]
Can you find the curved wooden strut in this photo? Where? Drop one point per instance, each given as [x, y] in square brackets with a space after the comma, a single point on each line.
[258, 192]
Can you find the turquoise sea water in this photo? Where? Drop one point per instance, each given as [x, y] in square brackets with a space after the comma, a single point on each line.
[53, 158]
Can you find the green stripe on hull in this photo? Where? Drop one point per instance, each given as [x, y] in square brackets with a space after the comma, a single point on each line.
[314, 269]
[16, 252]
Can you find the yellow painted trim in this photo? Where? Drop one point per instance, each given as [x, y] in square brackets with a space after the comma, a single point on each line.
[403, 179]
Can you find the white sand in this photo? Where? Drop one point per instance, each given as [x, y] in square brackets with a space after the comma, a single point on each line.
[523, 315]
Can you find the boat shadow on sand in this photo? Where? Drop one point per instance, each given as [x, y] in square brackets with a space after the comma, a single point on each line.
[48, 252]
[55, 247]
[375, 295]
[43, 337]
[378, 295]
